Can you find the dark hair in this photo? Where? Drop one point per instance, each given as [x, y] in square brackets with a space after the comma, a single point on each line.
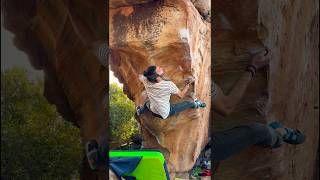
[151, 74]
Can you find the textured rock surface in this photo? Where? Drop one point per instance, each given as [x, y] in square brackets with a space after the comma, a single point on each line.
[63, 38]
[286, 91]
[171, 34]
[121, 3]
[204, 8]
[75, 79]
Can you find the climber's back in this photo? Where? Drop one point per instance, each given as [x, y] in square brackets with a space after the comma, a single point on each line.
[158, 90]
[159, 95]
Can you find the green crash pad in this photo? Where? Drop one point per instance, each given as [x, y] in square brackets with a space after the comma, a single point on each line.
[151, 167]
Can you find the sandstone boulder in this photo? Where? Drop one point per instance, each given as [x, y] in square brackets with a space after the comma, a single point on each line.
[204, 8]
[67, 39]
[75, 78]
[286, 91]
[173, 35]
[121, 3]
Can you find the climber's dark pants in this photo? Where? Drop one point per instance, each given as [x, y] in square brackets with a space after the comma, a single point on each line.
[174, 108]
[229, 142]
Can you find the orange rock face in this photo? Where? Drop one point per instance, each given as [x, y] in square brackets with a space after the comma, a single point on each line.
[75, 79]
[173, 35]
[66, 38]
[286, 91]
[63, 37]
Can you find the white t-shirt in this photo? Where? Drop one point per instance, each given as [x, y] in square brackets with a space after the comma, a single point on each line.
[159, 95]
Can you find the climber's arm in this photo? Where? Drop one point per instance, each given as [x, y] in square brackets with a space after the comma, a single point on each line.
[182, 93]
[225, 104]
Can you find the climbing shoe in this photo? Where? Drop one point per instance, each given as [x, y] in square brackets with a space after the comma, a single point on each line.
[199, 104]
[92, 154]
[292, 136]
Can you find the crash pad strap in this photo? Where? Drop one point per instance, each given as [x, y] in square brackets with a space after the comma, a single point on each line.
[123, 166]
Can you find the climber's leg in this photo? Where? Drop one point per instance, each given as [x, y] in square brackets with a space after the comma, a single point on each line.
[176, 108]
[232, 141]
[142, 109]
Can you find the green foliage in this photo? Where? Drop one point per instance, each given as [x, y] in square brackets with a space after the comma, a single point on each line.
[121, 116]
[36, 143]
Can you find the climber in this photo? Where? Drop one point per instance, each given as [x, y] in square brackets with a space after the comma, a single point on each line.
[159, 91]
[232, 141]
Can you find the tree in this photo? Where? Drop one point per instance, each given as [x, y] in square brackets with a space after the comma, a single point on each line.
[36, 143]
[121, 116]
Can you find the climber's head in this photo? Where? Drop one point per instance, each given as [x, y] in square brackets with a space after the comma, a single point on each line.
[153, 73]
[160, 71]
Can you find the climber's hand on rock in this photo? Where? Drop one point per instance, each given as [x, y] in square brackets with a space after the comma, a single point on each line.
[261, 59]
[189, 80]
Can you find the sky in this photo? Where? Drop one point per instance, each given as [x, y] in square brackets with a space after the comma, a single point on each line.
[113, 79]
[13, 57]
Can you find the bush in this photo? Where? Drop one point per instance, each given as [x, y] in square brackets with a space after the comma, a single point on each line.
[36, 143]
[121, 116]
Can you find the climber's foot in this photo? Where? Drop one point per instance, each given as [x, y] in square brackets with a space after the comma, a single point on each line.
[199, 104]
[92, 154]
[292, 136]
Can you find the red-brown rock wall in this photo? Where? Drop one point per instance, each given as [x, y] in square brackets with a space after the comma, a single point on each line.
[286, 91]
[75, 79]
